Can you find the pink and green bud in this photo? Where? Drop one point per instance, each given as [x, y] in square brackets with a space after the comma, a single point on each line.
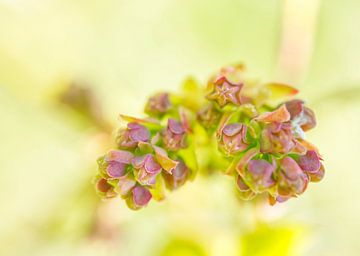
[292, 181]
[307, 120]
[125, 184]
[295, 108]
[116, 169]
[130, 137]
[244, 190]
[113, 165]
[146, 168]
[174, 136]
[116, 162]
[224, 92]
[259, 174]
[310, 163]
[301, 116]
[232, 138]
[177, 177]
[318, 175]
[277, 138]
[104, 189]
[158, 104]
[140, 197]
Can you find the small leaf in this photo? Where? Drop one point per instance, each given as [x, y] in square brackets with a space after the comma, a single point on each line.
[278, 91]
[166, 163]
[309, 146]
[150, 123]
[279, 115]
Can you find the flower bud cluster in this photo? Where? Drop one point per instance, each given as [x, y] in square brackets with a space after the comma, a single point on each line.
[149, 157]
[265, 147]
[257, 129]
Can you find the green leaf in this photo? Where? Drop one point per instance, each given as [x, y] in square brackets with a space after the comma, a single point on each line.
[158, 191]
[279, 92]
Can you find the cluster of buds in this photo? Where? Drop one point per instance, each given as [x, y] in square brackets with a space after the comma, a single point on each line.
[151, 155]
[256, 129]
[265, 145]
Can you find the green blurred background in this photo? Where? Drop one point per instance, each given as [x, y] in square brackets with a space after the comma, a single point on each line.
[124, 50]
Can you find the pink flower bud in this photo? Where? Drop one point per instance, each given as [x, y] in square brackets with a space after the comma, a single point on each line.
[300, 115]
[140, 198]
[232, 138]
[104, 188]
[115, 169]
[224, 92]
[113, 164]
[177, 177]
[158, 104]
[174, 135]
[130, 137]
[310, 162]
[292, 181]
[117, 160]
[146, 169]
[318, 175]
[259, 174]
[295, 108]
[125, 184]
[308, 120]
[277, 138]
[244, 190]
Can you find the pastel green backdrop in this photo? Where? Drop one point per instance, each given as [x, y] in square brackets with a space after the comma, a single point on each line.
[125, 50]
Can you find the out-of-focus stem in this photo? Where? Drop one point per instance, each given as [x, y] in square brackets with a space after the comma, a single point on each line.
[297, 39]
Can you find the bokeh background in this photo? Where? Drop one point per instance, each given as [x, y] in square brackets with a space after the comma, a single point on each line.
[119, 52]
